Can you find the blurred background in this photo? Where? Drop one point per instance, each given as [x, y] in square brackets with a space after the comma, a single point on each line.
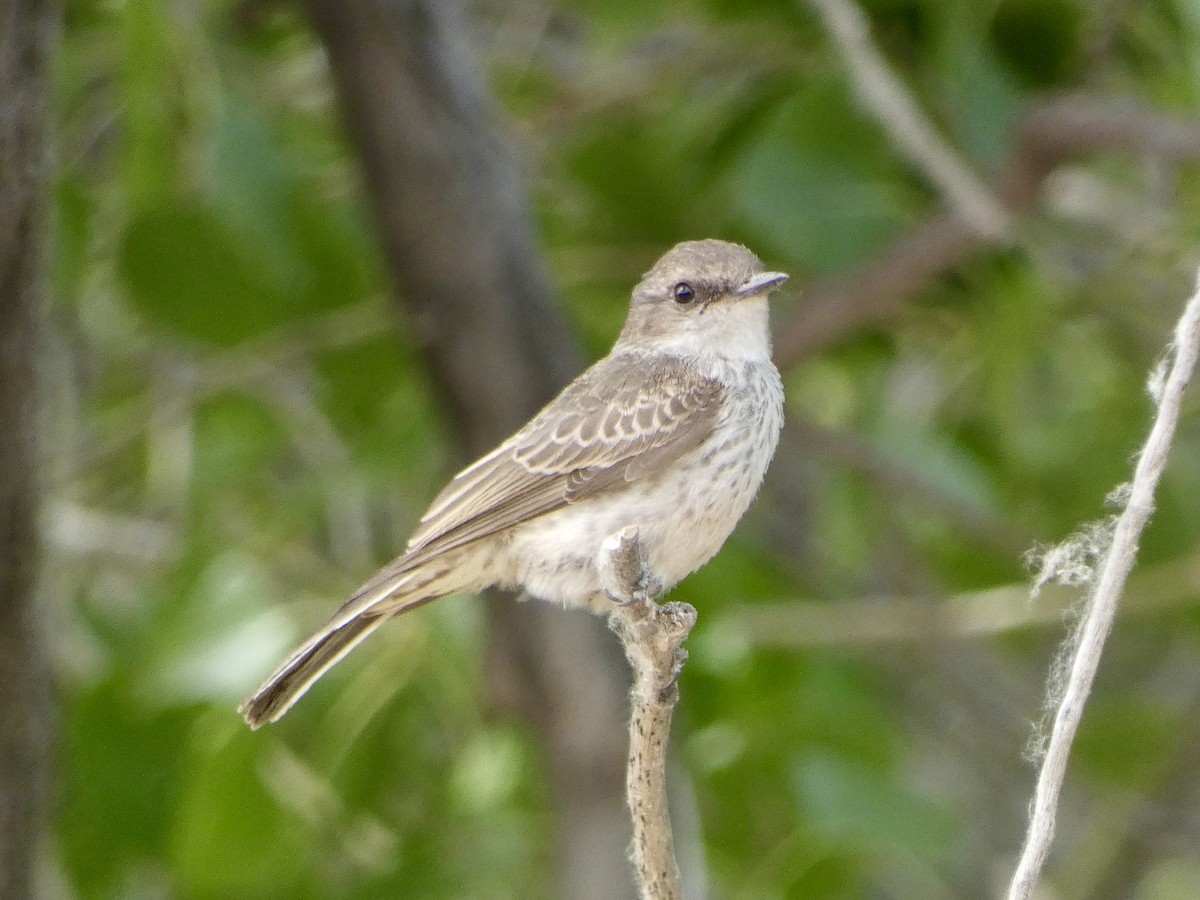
[306, 258]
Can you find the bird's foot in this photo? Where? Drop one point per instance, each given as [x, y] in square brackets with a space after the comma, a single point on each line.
[625, 577]
[645, 590]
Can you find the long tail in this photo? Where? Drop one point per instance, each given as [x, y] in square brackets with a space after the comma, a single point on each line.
[296, 674]
[390, 592]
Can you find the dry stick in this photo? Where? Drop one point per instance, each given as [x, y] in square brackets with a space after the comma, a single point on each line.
[652, 636]
[1102, 607]
[895, 109]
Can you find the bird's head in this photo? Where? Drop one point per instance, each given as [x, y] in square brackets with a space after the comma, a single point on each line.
[703, 297]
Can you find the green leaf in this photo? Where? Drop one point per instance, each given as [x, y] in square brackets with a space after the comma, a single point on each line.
[815, 185]
[980, 97]
[189, 272]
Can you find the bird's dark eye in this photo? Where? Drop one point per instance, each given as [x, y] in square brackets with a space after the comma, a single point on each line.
[683, 292]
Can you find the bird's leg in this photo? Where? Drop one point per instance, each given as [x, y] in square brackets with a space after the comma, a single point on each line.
[648, 587]
[625, 577]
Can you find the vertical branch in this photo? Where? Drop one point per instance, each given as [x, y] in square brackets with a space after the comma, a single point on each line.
[458, 236]
[27, 34]
[454, 223]
[1102, 606]
[653, 637]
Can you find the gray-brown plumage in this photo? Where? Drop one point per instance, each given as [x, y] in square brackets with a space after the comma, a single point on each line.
[671, 432]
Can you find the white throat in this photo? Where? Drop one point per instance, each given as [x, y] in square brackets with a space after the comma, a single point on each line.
[736, 330]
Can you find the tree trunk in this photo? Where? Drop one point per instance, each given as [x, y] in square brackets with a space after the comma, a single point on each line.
[28, 30]
[457, 235]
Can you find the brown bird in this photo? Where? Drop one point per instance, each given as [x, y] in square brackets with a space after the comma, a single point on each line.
[671, 433]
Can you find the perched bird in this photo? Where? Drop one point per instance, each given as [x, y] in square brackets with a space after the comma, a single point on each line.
[671, 433]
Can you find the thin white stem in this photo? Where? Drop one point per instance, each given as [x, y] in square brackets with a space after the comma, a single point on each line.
[1102, 606]
[882, 92]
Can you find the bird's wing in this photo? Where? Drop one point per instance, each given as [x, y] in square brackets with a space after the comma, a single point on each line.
[623, 419]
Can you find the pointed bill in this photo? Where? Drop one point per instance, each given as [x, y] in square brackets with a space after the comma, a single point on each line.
[763, 281]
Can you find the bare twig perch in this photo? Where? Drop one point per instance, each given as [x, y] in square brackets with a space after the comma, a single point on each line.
[652, 636]
[1102, 606]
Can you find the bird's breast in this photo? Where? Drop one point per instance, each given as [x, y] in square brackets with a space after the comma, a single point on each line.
[683, 514]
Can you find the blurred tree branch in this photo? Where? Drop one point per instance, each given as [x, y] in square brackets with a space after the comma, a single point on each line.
[872, 621]
[455, 228]
[456, 232]
[1051, 132]
[910, 129]
[843, 448]
[28, 35]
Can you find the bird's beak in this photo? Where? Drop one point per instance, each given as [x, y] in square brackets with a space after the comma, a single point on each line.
[761, 283]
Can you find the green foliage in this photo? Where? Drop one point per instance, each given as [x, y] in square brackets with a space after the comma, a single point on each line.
[820, 183]
[230, 386]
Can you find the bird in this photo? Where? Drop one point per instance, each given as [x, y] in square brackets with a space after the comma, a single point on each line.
[671, 433]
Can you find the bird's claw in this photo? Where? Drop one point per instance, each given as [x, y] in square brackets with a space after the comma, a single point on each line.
[648, 588]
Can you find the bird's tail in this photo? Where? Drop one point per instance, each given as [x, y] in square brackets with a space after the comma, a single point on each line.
[384, 596]
[296, 674]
